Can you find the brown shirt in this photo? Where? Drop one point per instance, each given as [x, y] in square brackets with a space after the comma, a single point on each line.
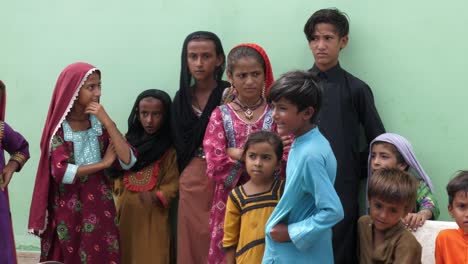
[400, 246]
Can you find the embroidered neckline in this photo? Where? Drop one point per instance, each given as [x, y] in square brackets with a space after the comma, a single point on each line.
[142, 180]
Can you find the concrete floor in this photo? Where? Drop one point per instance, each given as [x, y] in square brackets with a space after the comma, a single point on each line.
[28, 257]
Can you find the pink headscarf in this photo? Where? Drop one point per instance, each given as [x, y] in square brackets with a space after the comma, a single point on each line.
[269, 79]
[66, 91]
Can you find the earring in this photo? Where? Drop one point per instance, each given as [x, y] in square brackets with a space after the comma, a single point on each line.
[263, 91]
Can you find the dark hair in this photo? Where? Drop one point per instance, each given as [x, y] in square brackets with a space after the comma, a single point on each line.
[331, 16]
[457, 184]
[393, 186]
[241, 52]
[394, 150]
[185, 76]
[264, 136]
[299, 88]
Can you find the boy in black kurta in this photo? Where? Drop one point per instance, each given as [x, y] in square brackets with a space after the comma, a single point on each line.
[348, 104]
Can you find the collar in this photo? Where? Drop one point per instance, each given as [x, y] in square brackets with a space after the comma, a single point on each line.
[331, 73]
[305, 137]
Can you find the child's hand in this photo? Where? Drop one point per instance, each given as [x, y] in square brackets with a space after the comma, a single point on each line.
[109, 156]
[98, 110]
[7, 173]
[148, 199]
[287, 141]
[415, 220]
[234, 153]
[279, 233]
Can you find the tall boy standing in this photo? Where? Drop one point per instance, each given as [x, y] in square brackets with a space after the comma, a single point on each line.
[299, 229]
[348, 105]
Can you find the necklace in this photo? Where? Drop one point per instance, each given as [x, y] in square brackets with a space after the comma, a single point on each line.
[248, 110]
[77, 119]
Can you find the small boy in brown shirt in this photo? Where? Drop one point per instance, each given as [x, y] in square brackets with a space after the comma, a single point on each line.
[382, 236]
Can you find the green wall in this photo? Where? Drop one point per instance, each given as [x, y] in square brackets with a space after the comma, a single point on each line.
[409, 52]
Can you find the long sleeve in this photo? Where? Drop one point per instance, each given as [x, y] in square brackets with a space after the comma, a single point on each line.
[232, 223]
[408, 251]
[219, 164]
[426, 200]
[368, 114]
[16, 145]
[328, 206]
[61, 170]
[167, 189]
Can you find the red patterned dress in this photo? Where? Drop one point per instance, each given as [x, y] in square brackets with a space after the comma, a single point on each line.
[82, 226]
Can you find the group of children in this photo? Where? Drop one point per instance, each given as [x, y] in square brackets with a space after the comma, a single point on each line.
[236, 172]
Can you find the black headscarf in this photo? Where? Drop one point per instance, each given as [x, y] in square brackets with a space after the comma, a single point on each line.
[149, 149]
[189, 129]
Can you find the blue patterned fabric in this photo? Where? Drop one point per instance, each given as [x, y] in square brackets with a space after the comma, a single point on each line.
[85, 144]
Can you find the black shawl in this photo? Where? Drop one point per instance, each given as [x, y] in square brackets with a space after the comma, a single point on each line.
[189, 129]
[149, 149]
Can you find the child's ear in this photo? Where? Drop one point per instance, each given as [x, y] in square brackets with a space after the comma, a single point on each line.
[308, 112]
[450, 210]
[402, 166]
[229, 75]
[343, 42]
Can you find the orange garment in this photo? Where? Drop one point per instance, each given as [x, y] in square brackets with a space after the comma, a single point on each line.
[451, 247]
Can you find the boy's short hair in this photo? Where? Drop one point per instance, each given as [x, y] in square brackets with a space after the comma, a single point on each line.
[459, 183]
[393, 186]
[299, 88]
[331, 16]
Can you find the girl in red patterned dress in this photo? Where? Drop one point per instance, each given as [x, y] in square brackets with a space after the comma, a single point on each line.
[72, 207]
[250, 73]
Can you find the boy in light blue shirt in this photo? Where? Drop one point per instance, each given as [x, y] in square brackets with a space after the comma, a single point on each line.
[299, 229]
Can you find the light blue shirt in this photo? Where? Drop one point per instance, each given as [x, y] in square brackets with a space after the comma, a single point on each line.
[86, 148]
[309, 206]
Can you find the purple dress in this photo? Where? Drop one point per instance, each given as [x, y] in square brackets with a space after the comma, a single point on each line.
[18, 148]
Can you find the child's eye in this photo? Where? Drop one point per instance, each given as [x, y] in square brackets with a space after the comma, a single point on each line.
[377, 205]
[251, 156]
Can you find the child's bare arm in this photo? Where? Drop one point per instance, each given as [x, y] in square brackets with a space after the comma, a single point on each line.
[230, 256]
[121, 147]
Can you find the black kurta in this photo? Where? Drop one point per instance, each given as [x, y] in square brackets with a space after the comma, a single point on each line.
[347, 109]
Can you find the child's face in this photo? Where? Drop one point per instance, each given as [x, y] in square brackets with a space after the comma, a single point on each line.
[288, 119]
[383, 157]
[150, 114]
[90, 91]
[248, 77]
[202, 60]
[261, 161]
[386, 215]
[326, 45]
[459, 210]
